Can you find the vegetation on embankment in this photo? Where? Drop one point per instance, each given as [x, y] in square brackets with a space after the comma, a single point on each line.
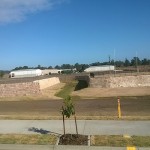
[70, 87]
[66, 90]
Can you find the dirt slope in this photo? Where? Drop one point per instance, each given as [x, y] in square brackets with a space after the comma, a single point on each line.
[112, 92]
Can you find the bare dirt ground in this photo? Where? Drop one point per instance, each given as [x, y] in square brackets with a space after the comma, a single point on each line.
[104, 107]
[101, 105]
[111, 92]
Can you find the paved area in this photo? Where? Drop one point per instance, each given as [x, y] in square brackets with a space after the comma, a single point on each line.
[87, 127]
[52, 147]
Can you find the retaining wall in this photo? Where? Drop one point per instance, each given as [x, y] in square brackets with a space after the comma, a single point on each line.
[19, 89]
[45, 83]
[125, 81]
[27, 88]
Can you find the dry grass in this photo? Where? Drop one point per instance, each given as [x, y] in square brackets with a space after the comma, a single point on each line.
[111, 92]
[120, 141]
[27, 139]
[51, 91]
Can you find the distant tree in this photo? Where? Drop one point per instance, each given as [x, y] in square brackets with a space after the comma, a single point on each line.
[83, 68]
[145, 61]
[25, 67]
[105, 63]
[112, 62]
[50, 67]
[78, 67]
[1, 74]
[57, 67]
[67, 71]
[66, 66]
[18, 68]
[39, 67]
[126, 63]
[119, 63]
[135, 61]
[95, 64]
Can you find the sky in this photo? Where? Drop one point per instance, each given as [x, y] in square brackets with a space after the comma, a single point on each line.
[56, 32]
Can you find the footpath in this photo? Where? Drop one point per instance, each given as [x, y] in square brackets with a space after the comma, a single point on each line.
[86, 127]
[54, 147]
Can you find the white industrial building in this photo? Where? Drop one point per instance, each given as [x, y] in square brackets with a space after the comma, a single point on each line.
[51, 71]
[25, 73]
[100, 68]
[56, 71]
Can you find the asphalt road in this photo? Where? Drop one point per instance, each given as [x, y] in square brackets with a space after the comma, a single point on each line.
[87, 127]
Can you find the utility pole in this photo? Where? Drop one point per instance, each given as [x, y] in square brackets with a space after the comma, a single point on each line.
[109, 64]
[114, 60]
[137, 69]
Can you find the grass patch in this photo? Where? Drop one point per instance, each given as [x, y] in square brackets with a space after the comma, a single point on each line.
[120, 141]
[66, 90]
[27, 139]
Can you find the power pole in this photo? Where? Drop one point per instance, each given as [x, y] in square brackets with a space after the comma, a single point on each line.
[137, 69]
[109, 64]
[114, 60]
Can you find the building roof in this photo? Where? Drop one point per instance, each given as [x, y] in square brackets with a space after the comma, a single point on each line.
[25, 70]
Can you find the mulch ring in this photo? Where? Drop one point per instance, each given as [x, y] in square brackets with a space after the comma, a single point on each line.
[73, 139]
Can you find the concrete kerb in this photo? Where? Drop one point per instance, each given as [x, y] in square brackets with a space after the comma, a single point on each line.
[25, 147]
[61, 147]
[68, 147]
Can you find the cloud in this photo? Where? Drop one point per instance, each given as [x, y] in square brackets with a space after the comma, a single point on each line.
[17, 10]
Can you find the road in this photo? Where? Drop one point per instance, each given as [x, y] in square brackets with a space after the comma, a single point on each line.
[87, 127]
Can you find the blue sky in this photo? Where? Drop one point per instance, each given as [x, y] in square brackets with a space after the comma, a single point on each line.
[55, 32]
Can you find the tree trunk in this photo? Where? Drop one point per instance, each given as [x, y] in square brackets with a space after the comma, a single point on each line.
[76, 124]
[64, 124]
[63, 120]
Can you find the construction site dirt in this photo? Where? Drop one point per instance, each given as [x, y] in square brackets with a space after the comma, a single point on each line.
[130, 106]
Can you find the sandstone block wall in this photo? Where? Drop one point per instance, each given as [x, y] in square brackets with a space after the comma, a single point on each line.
[129, 81]
[19, 89]
[124, 81]
[26, 88]
[45, 83]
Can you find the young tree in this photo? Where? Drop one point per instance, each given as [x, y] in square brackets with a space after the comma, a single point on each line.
[68, 110]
